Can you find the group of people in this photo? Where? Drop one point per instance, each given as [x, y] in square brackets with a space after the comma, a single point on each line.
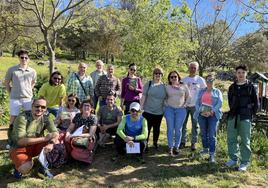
[78, 129]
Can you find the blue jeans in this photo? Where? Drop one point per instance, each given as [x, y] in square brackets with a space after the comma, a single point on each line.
[53, 111]
[175, 118]
[208, 127]
[194, 133]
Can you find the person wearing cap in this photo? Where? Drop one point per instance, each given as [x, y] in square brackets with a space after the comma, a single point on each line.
[208, 113]
[133, 128]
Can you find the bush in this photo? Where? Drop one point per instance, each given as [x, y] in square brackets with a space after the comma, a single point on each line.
[4, 114]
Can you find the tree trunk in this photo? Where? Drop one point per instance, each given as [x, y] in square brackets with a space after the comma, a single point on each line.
[51, 51]
[84, 55]
[14, 50]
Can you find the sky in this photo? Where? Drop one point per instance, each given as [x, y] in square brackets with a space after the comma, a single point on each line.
[206, 12]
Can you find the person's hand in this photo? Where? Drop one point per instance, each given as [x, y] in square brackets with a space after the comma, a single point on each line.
[130, 143]
[100, 98]
[67, 138]
[128, 138]
[48, 148]
[211, 113]
[205, 114]
[103, 128]
[49, 136]
[91, 138]
[131, 88]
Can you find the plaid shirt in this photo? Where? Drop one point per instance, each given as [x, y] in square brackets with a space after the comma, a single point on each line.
[74, 86]
[105, 85]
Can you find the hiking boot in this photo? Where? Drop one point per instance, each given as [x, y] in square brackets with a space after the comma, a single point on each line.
[182, 145]
[176, 151]
[8, 147]
[17, 174]
[171, 152]
[243, 167]
[193, 147]
[231, 163]
[156, 147]
[146, 150]
[141, 159]
[44, 173]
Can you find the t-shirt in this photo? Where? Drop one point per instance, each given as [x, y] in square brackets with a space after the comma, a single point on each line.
[25, 126]
[154, 98]
[21, 81]
[177, 96]
[53, 94]
[80, 121]
[107, 116]
[194, 84]
[65, 116]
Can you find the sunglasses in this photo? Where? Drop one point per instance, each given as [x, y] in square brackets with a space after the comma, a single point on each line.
[210, 80]
[158, 73]
[71, 100]
[22, 57]
[40, 106]
[132, 69]
[55, 78]
[133, 111]
[172, 77]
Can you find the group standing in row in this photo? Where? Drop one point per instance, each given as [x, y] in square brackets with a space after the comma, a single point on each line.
[176, 101]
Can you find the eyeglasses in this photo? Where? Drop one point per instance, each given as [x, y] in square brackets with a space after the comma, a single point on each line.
[87, 105]
[132, 69]
[71, 100]
[22, 57]
[192, 67]
[158, 73]
[55, 78]
[133, 111]
[172, 77]
[40, 106]
[210, 80]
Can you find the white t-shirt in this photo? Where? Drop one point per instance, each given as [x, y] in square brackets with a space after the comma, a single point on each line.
[194, 84]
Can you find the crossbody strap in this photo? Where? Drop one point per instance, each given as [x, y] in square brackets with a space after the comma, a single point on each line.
[81, 83]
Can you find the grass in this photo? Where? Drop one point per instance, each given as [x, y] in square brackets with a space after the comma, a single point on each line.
[160, 170]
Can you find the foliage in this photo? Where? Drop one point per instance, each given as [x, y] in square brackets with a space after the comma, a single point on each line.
[156, 35]
[252, 50]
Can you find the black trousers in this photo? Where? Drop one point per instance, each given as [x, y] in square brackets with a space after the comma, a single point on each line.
[120, 145]
[155, 122]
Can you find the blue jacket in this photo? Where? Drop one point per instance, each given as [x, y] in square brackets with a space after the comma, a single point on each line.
[216, 102]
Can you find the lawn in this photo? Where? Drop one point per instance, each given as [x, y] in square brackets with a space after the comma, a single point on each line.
[188, 169]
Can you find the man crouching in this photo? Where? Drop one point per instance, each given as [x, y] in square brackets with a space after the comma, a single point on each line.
[27, 138]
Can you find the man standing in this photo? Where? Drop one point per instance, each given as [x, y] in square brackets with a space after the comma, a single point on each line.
[243, 104]
[95, 76]
[19, 81]
[80, 84]
[194, 83]
[109, 117]
[27, 138]
[107, 84]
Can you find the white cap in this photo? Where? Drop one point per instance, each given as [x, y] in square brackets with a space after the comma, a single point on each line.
[135, 106]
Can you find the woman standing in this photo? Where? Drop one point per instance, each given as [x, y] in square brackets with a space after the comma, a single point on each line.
[175, 112]
[54, 92]
[152, 102]
[67, 113]
[208, 113]
[131, 89]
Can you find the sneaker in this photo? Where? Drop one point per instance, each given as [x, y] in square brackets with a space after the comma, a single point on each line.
[212, 159]
[156, 147]
[182, 145]
[176, 151]
[242, 168]
[141, 159]
[17, 174]
[44, 173]
[8, 147]
[193, 147]
[146, 150]
[171, 152]
[231, 163]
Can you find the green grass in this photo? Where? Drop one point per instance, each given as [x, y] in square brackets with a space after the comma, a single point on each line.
[160, 170]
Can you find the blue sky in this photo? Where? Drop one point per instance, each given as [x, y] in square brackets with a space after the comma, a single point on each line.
[206, 11]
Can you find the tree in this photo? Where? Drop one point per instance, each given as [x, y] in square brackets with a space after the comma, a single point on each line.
[213, 35]
[251, 50]
[155, 34]
[50, 16]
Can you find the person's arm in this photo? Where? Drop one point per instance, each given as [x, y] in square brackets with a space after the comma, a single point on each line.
[219, 102]
[118, 87]
[97, 87]
[139, 87]
[7, 85]
[144, 133]
[91, 88]
[34, 80]
[119, 118]
[230, 96]
[69, 83]
[187, 95]
[254, 100]
[121, 127]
